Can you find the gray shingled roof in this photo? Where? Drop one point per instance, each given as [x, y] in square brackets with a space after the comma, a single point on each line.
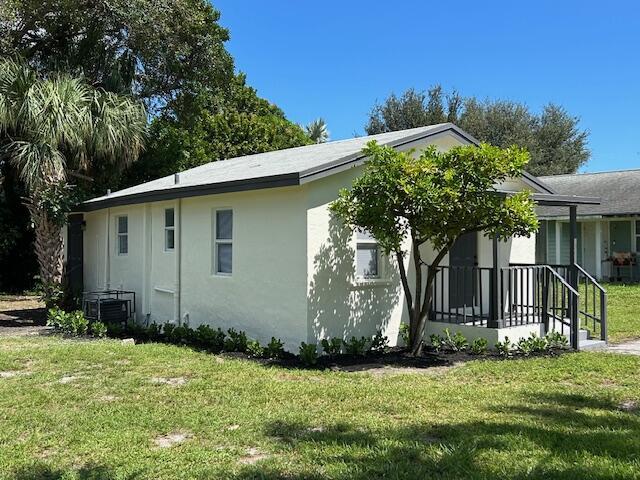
[277, 168]
[619, 192]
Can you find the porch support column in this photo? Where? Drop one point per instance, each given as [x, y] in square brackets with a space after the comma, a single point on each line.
[495, 315]
[573, 274]
[599, 249]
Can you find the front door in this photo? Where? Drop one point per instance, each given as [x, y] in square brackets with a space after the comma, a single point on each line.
[464, 253]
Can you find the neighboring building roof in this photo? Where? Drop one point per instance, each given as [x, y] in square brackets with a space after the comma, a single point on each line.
[292, 166]
[619, 193]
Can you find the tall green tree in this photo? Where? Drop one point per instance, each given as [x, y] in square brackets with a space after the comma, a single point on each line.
[206, 128]
[153, 49]
[57, 125]
[407, 202]
[553, 137]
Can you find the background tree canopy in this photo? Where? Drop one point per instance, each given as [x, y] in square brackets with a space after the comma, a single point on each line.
[171, 55]
[553, 138]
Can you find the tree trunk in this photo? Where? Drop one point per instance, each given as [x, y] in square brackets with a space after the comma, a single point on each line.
[48, 246]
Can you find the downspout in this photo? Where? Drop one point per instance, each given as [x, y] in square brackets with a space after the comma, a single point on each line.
[178, 255]
[107, 255]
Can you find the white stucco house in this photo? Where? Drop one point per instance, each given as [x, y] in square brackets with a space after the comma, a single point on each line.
[250, 243]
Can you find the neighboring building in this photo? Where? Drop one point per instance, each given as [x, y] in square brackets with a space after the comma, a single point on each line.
[250, 243]
[608, 233]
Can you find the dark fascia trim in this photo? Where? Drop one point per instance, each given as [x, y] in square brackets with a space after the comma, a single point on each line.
[273, 181]
[353, 159]
[563, 200]
[594, 215]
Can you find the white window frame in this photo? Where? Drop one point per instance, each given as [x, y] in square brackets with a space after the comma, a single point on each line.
[169, 228]
[121, 234]
[368, 243]
[222, 241]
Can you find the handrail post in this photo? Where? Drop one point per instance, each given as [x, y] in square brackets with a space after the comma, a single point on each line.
[495, 315]
[573, 276]
[546, 281]
[603, 316]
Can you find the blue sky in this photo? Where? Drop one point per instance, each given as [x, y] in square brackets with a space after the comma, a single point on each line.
[336, 58]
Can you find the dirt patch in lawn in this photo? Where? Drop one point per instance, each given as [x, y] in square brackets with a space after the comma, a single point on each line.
[252, 456]
[171, 439]
[171, 381]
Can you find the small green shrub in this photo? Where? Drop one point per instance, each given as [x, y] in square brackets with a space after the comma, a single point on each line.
[379, 342]
[52, 294]
[524, 346]
[154, 332]
[56, 318]
[356, 346]
[404, 333]
[456, 342]
[555, 340]
[331, 346]
[79, 324]
[308, 354]
[181, 334]
[505, 348]
[274, 349]
[437, 342]
[479, 346]
[538, 344]
[115, 330]
[98, 329]
[236, 341]
[254, 349]
[207, 337]
[167, 330]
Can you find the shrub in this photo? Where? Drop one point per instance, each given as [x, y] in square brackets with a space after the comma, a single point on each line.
[455, 343]
[207, 337]
[538, 344]
[436, 342]
[504, 348]
[404, 333]
[274, 349]
[356, 346]
[180, 334]
[154, 331]
[525, 346]
[254, 348]
[115, 330]
[308, 354]
[98, 329]
[236, 341]
[52, 294]
[78, 324]
[56, 318]
[555, 340]
[479, 346]
[167, 330]
[331, 346]
[379, 342]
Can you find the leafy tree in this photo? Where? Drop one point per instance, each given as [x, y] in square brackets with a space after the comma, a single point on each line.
[206, 128]
[156, 50]
[317, 131]
[556, 143]
[407, 202]
[52, 127]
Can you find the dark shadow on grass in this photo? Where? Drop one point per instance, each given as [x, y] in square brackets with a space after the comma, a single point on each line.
[43, 471]
[569, 445]
[31, 317]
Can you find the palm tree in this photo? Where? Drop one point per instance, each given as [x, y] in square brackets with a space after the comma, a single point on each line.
[52, 126]
[317, 131]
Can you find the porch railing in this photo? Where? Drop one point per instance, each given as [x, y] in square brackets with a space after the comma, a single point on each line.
[520, 295]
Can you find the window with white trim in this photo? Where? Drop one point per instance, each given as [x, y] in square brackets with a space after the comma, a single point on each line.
[123, 234]
[638, 236]
[169, 230]
[223, 242]
[367, 256]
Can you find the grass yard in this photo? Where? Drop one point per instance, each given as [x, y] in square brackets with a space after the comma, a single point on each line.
[76, 409]
[624, 311]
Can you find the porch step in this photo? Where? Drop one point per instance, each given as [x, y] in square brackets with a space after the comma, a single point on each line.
[592, 344]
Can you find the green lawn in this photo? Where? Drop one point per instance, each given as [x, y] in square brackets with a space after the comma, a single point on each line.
[75, 409]
[623, 311]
